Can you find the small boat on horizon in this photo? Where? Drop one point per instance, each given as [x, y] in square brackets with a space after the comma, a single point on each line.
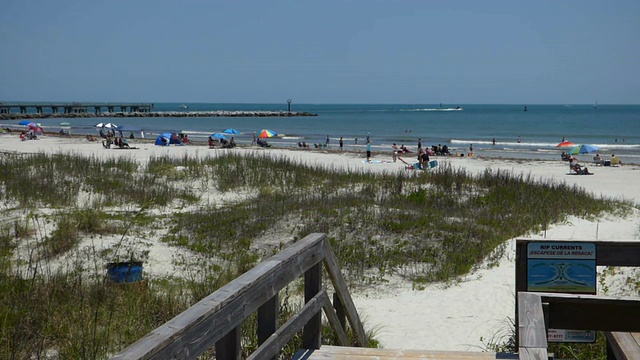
[183, 106]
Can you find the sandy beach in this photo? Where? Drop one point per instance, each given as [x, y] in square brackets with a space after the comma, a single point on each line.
[451, 316]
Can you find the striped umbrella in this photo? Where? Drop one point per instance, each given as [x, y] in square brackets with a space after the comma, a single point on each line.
[264, 133]
[583, 149]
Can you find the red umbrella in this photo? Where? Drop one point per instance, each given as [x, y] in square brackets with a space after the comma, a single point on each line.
[566, 144]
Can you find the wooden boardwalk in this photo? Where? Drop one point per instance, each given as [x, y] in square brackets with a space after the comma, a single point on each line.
[216, 320]
[623, 345]
[345, 353]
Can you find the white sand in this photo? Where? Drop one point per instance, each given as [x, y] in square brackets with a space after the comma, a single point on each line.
[441, 316]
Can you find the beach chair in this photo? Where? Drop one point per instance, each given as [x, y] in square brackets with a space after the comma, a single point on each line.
[432, 164]
[597, 161]
[615, 161]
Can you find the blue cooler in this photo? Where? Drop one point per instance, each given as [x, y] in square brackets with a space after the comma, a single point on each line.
[125, 272]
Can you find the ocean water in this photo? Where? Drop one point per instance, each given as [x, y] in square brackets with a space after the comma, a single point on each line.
[613, 128]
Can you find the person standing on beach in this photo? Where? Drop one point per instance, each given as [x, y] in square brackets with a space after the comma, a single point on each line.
[253, 141]
[368, 151]
[355, 141]
[341, 142]
[327, 142]
[395, 151]
[419, 144]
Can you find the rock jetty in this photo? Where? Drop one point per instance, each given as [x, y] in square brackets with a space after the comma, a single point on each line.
[218, 113]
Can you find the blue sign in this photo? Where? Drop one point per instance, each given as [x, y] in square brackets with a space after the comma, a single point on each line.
[563, 267]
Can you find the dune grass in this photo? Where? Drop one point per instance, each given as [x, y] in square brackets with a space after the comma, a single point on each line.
[433, 227]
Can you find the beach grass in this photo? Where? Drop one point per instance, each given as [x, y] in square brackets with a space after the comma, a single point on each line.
[436, 226]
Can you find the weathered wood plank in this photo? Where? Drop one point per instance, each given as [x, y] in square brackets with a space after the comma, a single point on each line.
[533, 335]
[521, 279]
[341, 352]
[312, 334]
[592, 312]
[228, 348]
[202, 325]
[625, 346]
[335, 322]
[343, 292]
[282, 336]
[340, 312]
[532, 354]
[268, 320]
[618, 253]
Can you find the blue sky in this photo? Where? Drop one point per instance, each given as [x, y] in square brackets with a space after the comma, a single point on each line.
[329, 51]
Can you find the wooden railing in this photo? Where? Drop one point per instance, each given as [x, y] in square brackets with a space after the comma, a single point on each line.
[538, 312]
[217, 319]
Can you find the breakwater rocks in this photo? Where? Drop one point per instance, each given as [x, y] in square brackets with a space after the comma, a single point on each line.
[219, 113]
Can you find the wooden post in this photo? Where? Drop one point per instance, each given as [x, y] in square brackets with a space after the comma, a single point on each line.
[268, 320]
[312, 334]
[521, 279]
[337, 305]
[228, 348]
[532, 344]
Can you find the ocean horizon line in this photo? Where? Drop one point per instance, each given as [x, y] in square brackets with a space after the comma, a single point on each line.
[318, 103]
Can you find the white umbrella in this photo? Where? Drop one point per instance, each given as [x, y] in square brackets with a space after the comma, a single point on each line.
[107, 125]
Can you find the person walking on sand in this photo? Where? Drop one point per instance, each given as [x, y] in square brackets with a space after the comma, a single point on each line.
[253, 140]
[368, 151]
[395, 151]
[470, 150]
[341, 143]
[327, 142]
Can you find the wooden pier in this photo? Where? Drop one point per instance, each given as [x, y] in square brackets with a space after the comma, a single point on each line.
[75, 107]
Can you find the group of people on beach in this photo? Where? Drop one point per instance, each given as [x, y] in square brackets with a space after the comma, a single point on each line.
[28, 135]
[224, 143]
[576, 168]
[118, 141]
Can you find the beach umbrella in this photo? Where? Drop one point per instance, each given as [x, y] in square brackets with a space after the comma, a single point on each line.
[36, 128]
[218, 136]
[107, 125]
[583, 149]
[264, 133]
[231, 132]
[65, 124]
[565, 144]
[24, 122]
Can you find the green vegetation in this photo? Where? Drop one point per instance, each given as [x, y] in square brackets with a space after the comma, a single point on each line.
[426, 227]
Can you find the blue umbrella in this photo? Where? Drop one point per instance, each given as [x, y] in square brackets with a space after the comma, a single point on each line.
[24, 122]
[218, 136]
[583, 149]
[231, 132]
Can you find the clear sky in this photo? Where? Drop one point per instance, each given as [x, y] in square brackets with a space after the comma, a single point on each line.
[323, 51]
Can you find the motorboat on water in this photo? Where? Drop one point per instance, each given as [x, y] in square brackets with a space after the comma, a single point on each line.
[183, 106]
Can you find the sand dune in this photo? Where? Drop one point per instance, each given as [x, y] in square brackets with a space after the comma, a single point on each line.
[440, 316]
